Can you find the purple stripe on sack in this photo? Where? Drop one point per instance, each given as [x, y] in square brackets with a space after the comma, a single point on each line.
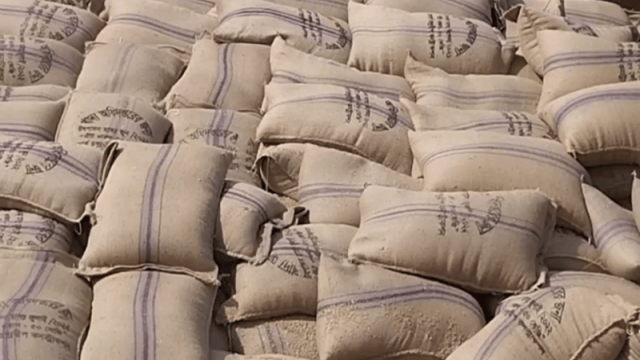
[335, 3]
[221, 121]
[480, 12]
[35, 228]
[145, 315]
[588, 17]
[487, 96]
[250, 200]
[155, 25]
[606, 95]
[56, 61]
[494, 124]
[22, 12]
[584, 59]
[31, 132]
[616, 231]
[225, 75]
[488, 37]
[324, 190]
[124, 58]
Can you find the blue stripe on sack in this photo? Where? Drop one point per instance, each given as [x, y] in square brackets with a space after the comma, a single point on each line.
[32, 132]
[225, 75]
[615, 231]
[596, 96]
[248, 199]
[324, 190]
[155, 25]
[586, 58]
[461, 33]
[145, 315]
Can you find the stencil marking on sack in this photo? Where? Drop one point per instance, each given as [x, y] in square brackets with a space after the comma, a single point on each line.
[13, 57]
[91, 132]
[314, 29]
[441, 34]
[297, 253]
[629, 61]
[34, 157]
[39, 17]
[459, 220]
[580, 28]
[363, 110]
[11, 227]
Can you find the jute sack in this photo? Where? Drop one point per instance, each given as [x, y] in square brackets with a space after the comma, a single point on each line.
[30, 120]
[615, 234]
[47, 178]
[222, 76]
[225, 129]
[482, 241]
[476, 161]
[615, 181]
[223, 355]
[49, 20]
[243, 210]
[218, 337]
[153, 23]
[279, 167]
[521, 68]
[33, 61]
[556, 323]
[143, 71]
[292, 336]
[199, 6]
[580, 11]
[382, 38]
[515, 123]
[332, 8]
[343, 118]
[156, 209]
[607, 284]
[33, 93]
[94, 119]
[21, 229]
[409, 317]
[149, 314]
[331, 182]
[45, 307]
[566, 250]
[472, 9]
[596, 125]
[435, 87]
[260, 22]
[635, 198]
[285, 68]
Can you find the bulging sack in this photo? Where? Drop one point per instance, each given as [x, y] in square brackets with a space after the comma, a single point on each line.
[435, 87]
[222, 76]
[230, 130]
[95, 119]
[344, 118]
[156, 209]
[409, 317]
[331, 182]
[199, 6]
[145, 313]
[33, 61]
[383, 37]
[223, 355]
[279, 167]
[615, 181]
[260, 22]
[30, 120]
[472, 9]
[19, 229]
[285, 63]
[607, 284]
[475, 161]
[332, 8]
[483, 241]
[33, 93]
[566, 250]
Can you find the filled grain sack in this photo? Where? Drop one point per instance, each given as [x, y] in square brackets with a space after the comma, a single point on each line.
[222, 76]
[554, 323]
[149, 314]
[21, 229]
[435, 87]
[635, 198]
[482, 241]
[383, 37]
[577, 11]
[521, 68]
[279, 167]
[47, 178]
[153, 23]
[34, 61]
[615, 234]
[607, 284]
[615, 181]
[199, 6]
[33, 93]
[223, 355]
[331, 182]
[285, 63]
[566, 250]
[95, 119]
[218, 336]
[597, 125]
[515, 123]
[244, 208]
[143, 71]
[287, 282]
[260, 22]
[409, 317]
[156, 209]
[332, 8]
[343, 118]
[30, 120]
[49, 20]
[230, 130]
[45, 308]
[472, 9]
[291, 336]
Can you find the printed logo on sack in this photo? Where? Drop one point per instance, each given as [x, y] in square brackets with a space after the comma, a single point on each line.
[580, 28]
[442, 36]
[38, 22]
[297, 253]
[16, 68]
[456, 214]
[97, 128]
[11, 226]
[372, 116]
[32, 157]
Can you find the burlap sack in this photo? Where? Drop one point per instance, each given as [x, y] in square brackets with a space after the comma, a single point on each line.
[218, 337]
[577, 119]
[260, 22]
[95, 119]
[44, 306]
[292, 336]
[635, 198]
[50, 62]
[332, 8]
[434, 87]
[555, 323]
[483, 241]
[30, 120]
[343, 118]
[473, 9]
[279, 167]
[149, 314]
[199, 6]
[409, 317]
[33, 93]
[20, 229]
[47, 178]
[476, 161]
[519, 67]
[156, 209]
[383, 37]
[581, 11]
[607, 284]
[243, 210]
[143, 71]
[615, 181]
[285, 68]
[515, 123]
[222, 76]
[566, 250]
[225, 129]
[153, 23]
[223, 355]
[331, 182]
[49, 20]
